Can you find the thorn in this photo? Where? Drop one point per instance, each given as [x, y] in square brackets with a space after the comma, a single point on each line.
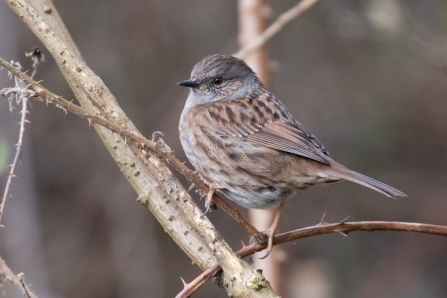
[207, 210]
[322, 221]
[341, 233]
[266, 255]
[191, 187]
[89, 122]
[185, 285]
[344, 220]
[243, 244]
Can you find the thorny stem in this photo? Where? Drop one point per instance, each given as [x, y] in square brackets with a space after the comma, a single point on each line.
[320, 229]
[19, 144]
[142, 142]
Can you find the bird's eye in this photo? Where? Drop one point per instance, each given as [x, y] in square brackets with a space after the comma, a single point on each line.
[217, 81]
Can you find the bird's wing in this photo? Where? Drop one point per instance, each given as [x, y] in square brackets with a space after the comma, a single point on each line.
[288, 137]
[263, 120]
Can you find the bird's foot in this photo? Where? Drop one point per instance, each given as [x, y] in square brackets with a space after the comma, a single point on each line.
[209, 204]
[270, 233]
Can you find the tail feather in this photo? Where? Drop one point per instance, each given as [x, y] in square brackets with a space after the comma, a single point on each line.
[346, 174]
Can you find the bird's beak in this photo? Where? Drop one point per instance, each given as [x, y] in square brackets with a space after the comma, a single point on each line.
[191, 83]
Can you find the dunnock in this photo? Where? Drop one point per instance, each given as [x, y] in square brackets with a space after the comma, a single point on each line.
[246, 145]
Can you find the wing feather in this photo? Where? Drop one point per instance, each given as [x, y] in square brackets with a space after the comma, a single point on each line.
[284, 136]
[263, 120]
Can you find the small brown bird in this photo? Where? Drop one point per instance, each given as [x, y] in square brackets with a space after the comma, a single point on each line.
[246, 145]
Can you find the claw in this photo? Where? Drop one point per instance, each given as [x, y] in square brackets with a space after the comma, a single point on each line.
[207, 210]
[271, 233]
[209, 204]
[266, 255]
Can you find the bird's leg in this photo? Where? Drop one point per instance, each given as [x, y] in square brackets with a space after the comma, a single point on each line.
[272, 230]
[209, 199]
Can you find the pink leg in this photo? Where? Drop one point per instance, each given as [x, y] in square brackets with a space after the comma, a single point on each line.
[272, 230]
[209, 198]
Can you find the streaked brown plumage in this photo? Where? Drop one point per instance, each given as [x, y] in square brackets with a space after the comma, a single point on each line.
[244, 142]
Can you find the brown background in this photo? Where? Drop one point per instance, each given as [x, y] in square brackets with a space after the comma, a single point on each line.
[368, 78]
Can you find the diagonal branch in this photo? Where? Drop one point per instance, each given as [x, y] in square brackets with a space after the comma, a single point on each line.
[284, 19]
[321, 228]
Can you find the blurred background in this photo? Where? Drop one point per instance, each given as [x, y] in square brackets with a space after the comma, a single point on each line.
[368, 78]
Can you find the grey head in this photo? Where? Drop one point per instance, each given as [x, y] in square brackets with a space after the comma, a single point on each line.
[218, 78]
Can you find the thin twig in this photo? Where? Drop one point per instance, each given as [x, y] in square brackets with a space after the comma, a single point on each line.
[20, 85]
[142, 142]
[18, 280]
[275, 27]
[322, 228]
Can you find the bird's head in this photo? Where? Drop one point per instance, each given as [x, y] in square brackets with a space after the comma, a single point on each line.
[218, 78]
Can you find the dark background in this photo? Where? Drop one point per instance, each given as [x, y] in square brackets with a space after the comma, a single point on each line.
[368, 78]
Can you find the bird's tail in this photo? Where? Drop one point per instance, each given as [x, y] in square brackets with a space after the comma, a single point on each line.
[346, 174]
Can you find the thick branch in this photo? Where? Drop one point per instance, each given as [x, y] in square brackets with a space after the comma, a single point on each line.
[275, 27]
